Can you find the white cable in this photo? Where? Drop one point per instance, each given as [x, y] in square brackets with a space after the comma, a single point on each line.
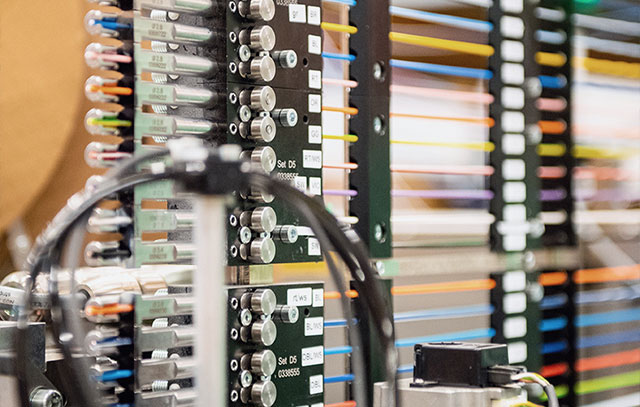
[607, 24]
[607, 46]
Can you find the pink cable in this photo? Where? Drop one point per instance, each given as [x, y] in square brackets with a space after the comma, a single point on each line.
[552, 172]
[551, 105]
[345, 166]
[125, 59]
[340, 82]
[443, 169]
[473, 97]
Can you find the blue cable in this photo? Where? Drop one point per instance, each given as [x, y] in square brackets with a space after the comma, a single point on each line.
[338, 350]
[405, 369]
[551, 37]
[402, 343]
[553, 82]
[608, 339]
[553, 324]
[338, 379]
[608, 294]
[114, 375]
[453, 336]
[554, 347]
[605, 318]
[350, 3]
[112, 25]
[553, 301]
[453, 21]
[606, 86]
[342, 57]
[466, 311]
[442, 69]
[115, 341]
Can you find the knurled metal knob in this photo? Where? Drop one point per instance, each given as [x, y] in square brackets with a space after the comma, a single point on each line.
[263, 363]
[264, 332]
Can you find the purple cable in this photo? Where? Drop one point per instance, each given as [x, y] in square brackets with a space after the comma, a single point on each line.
[552, 195]
[478, 194]
[340, 192]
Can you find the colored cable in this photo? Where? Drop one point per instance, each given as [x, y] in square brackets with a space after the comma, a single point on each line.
[554, 347]
[552, 59]
[608, 67]
[442, 69]
[339, 379]
[341, 57]
[553, 279]
[453, 336]
[608, 361]
[606, 318]
[114, 375]
[480, 146]
[624, 293]
[551, 37]
[454, 95]
[345, 166]
[443, 19]
[340, 82]
[439, 43]
[551, 105]
[557, 369]
[628, 49]
[614, 338]
[346, 110]
[349, 403]
[351, 138]
[553, 82]
[471, 194]
[615, 26]
[482, 121]
[553, 324]
[553, 301]
[483, 170]
[431, 288]
[606, 383]
[111, 309]
[552, 127]
[341, 28]
[350, 3]
[607, 274]
[340, 192]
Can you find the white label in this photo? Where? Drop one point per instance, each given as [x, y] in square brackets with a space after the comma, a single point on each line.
[315, 103]
[312, 159]
[514, 213]
[515, 303]
[512, 27]
[315, 44]
[512, 122]
[315, 134]
[318, 297]
[314, 247]
[317, 405]
[512, 98]
[300, 297]
[314, 326]
[513, 169]
[313, 15]
[297, 13]
[514, 281]
[312, 356]
[512, 74]
[315, 185]
[315, 384]
[513, 144]
[514, 192]
[315, 79]
[512, 6]
[515, 327]
[300, 183]
[511, 51]
[517, 352]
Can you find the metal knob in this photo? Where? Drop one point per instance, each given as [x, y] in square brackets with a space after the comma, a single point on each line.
[287, 313]
[263, 129]
[262, 10]
[262, 68]
[261, 98]
[262, 38]
[286, 117]
[261, 196]
[263, 363]
[264, 332]
[287, 58]
[263, 219]
[263, 301]
[264, 394]
[286, 233]
[265, 158]
[262, 250]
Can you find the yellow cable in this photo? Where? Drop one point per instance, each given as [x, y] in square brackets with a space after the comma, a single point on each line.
[450, 45]
[588, 152]
[551, 150]
[551, 59]
[341, 28]
[347, 137]
[607, 67]
[483, 146]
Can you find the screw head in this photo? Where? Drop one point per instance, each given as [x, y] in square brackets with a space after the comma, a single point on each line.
[378, 71]
[233, 6]
[379, 233]
[378, 125]
[43, 397]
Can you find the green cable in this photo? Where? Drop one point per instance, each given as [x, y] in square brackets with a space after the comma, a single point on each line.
[561, 391]
[608, 383]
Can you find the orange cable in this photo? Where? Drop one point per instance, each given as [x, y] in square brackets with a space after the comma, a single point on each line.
[606, 361]
[346, 110]
[112, 90]
[557, 369]
[342, 404]
[110, 309]
[607, 274]
[485, 121]
[334, 295]
[344, 166]
[555, 278]
[447, 287]
[552, 127]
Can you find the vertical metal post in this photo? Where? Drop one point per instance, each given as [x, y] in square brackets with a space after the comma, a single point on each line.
[372, 179]
[210, 316]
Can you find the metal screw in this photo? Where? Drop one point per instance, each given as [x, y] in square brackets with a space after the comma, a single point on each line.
[233, 68]
[233, 220]
[378, 233]
[378, 125]
[244, 53]
[534, 134]
[233, 365]
[233, 128]
[378, 71]
[233, 37]
[234, 395]
[233, 98]
[233, 6]
[380, 267]
[528, 261]
[45, 398]
[233, 251]
[533, 87]
[234, 303]
[234, 334]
